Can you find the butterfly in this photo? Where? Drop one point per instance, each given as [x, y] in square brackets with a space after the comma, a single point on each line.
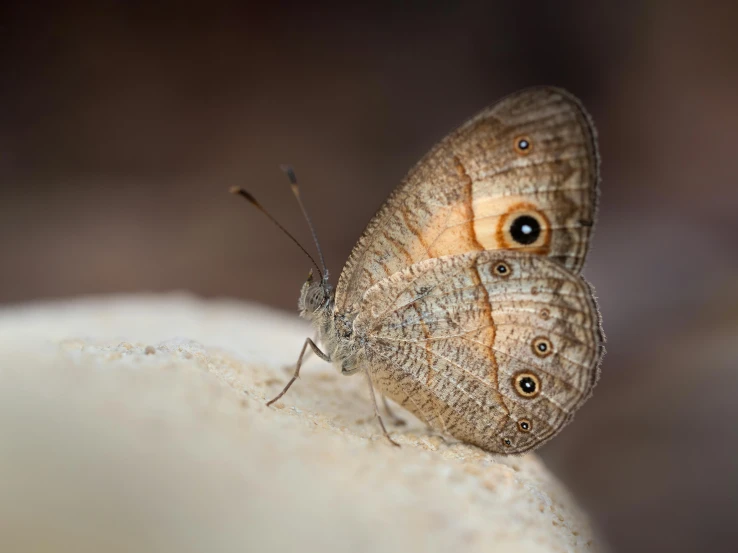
[463, 300]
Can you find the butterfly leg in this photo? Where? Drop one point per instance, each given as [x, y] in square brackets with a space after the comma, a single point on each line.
[316, 350]
[396, 420]
[307, 354]
[376, 408]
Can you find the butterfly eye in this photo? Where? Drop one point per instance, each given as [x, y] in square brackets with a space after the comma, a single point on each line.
[522, 145]
[524, 425]
[527, 384]
[542, 346]
[502, 269]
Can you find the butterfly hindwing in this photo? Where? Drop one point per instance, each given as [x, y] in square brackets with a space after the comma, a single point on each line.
[495, 348]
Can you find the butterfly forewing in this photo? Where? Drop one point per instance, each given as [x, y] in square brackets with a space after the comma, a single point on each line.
[521, 175]
[495, 348]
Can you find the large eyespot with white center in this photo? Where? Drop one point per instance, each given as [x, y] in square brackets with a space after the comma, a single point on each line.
[527, 385]
[524, 227]
[522, 145]
[501, 269]
[542, 346]
[524, 425]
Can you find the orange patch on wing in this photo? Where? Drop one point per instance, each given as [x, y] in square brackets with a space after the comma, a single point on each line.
[451, 230]
[487, 212]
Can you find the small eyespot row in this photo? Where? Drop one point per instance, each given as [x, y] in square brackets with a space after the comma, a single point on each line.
[542, 346]
[527, 385]
[507, 442]
[544, 313]
[524, 425]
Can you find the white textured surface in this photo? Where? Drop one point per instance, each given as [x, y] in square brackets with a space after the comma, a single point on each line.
[108, 448]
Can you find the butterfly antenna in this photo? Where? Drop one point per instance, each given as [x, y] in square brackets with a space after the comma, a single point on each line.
[249, 198]
[290, 172]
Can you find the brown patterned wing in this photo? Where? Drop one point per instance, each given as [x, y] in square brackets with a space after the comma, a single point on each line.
[498, 349]
[521, 175]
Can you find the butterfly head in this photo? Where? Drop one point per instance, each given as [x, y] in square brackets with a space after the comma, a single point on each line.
[314, 296]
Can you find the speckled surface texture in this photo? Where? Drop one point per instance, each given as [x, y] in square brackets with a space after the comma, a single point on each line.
[138, 424]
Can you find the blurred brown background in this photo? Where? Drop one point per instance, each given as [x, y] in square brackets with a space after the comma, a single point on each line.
[122, 125]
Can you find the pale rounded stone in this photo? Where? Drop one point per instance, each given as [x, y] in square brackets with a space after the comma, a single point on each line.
[119, 436]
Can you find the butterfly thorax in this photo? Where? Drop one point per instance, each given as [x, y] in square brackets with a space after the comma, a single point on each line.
[335, 330]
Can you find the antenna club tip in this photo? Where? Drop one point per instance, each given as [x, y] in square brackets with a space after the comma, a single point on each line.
[290, 172]
[238, 191]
